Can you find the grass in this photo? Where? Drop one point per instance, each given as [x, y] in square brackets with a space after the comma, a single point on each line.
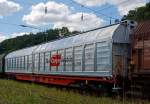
[13, 92]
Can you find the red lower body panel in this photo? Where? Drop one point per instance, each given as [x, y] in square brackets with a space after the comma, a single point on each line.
[58, 79]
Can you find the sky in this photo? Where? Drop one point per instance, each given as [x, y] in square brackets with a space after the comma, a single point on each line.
[79, 15]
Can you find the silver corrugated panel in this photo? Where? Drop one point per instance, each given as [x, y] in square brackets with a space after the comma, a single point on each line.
[104, 56]
[47, 61]
[62, 62]
[53, 68]
[41, 63]
[78, 58]
[26, 62]
[89, 57]
[36, 62]
[68, 58]
[30, 63]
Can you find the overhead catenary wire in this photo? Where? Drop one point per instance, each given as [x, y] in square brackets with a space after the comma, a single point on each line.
[108, 7]
[21, 25]
[94, 11]
[108, 17]
[112, 6]
[125, 9]
[45, 8]
[82, 17]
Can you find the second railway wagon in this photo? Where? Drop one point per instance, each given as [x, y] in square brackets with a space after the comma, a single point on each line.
[95, 57]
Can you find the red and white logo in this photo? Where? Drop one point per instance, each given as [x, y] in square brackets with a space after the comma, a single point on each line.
[55, 60]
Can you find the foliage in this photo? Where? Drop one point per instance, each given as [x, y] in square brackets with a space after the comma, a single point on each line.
[139, 14]
[20, 42]
[12, 92]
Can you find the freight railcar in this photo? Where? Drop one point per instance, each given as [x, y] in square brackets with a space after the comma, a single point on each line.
[95, 57]
[141, 48]
[140, 58]
[139, 70]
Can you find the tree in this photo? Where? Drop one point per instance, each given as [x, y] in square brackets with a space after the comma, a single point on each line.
[32, 39]
[139, 14]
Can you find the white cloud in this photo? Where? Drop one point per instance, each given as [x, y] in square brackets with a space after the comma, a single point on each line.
[74, 22]
[123, 6]
[2, 37]
[8, 7]
[130, 5]
[60, 15]
[56, 12]
[13, 35]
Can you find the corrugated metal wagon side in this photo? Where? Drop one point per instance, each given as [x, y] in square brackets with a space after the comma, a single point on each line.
[141, 48]
[140, 61]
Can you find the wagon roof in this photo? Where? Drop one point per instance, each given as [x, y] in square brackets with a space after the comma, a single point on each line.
[99, 34]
